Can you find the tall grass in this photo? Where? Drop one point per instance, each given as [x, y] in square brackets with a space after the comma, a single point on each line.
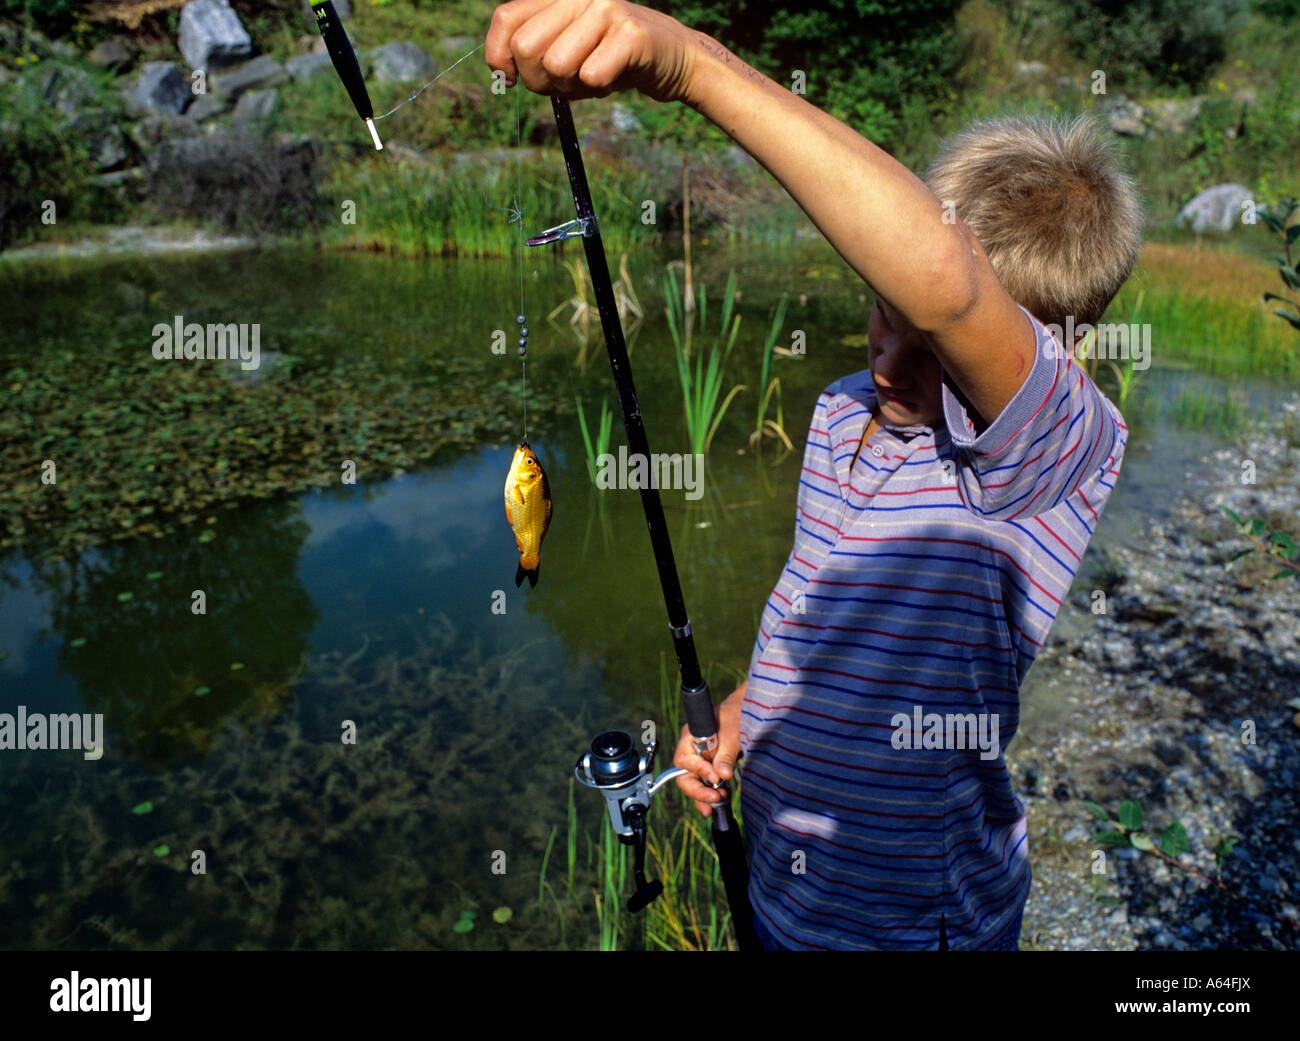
[601, 444]
[702, 385]
[772, 387]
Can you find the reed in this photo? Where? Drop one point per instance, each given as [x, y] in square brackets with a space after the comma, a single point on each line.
[601, 445]
[702, 385]
[772, 387]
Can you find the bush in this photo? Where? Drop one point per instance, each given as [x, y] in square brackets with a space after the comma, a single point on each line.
[1162, 41]
[864, 59]
[39, 161]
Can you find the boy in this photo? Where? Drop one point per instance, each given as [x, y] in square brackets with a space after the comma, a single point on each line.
[946, 499]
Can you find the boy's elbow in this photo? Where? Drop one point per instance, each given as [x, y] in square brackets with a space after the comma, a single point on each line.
[952, 281]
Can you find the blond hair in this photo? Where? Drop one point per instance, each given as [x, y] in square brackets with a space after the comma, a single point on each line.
[1049, 203]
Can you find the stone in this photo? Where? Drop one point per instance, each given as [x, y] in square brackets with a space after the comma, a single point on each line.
[1172, 115]
[205, 107]
[154, 129]
[65, 88]
[1128, 118]
[255, 106]
[401, 63]
[624, 119]
[111, 54]
[160, 88]
[305, 66]
[212, 34]
[1031, 69]
[258, 74]
[104, 137]
[457, 44]
[1215, 209]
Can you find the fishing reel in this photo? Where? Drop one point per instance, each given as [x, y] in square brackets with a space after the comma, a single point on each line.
[626, 779]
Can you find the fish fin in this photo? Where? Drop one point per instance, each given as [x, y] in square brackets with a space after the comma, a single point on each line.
[520, 572]
[509, 516]
[519, 576]
[519, 493]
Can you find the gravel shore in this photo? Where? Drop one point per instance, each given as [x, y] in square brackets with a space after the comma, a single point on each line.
[1155, 701]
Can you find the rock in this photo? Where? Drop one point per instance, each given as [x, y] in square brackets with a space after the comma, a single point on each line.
[258, 74]
[153, 130]
[1031, 69]
[212, 34]
[205, 107]
[1215, 209]
[457, 44]
[65, 88]
[1128, 118]
[255, 106]
[305, 66]
[401, 63]
[111, 54]
[624, 120]
[1172, 115]
[161, 88]
[104, 137]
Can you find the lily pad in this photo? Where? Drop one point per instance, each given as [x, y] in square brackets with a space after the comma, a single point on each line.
[502, 914]
[202, 691]
[124, 597]
[464, 925]
[161, 851]
[144, 807]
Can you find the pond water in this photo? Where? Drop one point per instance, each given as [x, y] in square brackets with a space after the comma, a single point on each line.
[373, 605]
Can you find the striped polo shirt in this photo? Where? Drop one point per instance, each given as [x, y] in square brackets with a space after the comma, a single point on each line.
[884, 683]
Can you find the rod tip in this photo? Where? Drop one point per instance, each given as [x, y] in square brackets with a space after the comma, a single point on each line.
[379, 145]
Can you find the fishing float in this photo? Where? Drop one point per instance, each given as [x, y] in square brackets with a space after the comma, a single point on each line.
[345, 63]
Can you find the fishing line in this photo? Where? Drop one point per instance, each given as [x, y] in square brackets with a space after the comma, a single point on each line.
[430, 83]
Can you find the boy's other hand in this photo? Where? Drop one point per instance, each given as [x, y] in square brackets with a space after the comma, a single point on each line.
[720, 766]
[590, 48]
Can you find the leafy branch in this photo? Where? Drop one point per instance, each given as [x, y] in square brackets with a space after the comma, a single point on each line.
[1277, 544]
[1125, 829]
[1286, 222]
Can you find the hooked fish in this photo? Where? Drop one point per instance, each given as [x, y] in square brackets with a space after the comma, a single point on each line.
[528, 510]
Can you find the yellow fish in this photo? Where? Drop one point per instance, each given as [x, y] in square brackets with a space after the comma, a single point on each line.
[528, 510]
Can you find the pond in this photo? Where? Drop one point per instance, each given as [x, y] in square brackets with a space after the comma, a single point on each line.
[228, 809]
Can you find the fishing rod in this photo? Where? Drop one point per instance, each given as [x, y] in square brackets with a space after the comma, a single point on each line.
[612, 765]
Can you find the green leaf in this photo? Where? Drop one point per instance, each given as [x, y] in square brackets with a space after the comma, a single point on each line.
[1257, 527]
[1100, 812]
[1232, 514]
[1141, 841]
[235, 666]
[1111, 838]
[202, 691]
[124, 597]
[1285, 543]
[144, 807]
[80, 641]
[1130, 815]
[1286, 572]
[1174, 840]
[502, 915]
[162, 851]
[1290, 316]
[464, 925]
[1292, 233]
[1271, 221]
[153, 576]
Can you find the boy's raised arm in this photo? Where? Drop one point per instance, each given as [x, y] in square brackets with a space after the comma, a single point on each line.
[879, 216]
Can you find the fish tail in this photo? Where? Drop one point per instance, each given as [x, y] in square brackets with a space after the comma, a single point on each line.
[521, 571]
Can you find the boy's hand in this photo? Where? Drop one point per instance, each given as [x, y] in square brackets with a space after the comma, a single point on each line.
[720, 765]
[591, 48]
